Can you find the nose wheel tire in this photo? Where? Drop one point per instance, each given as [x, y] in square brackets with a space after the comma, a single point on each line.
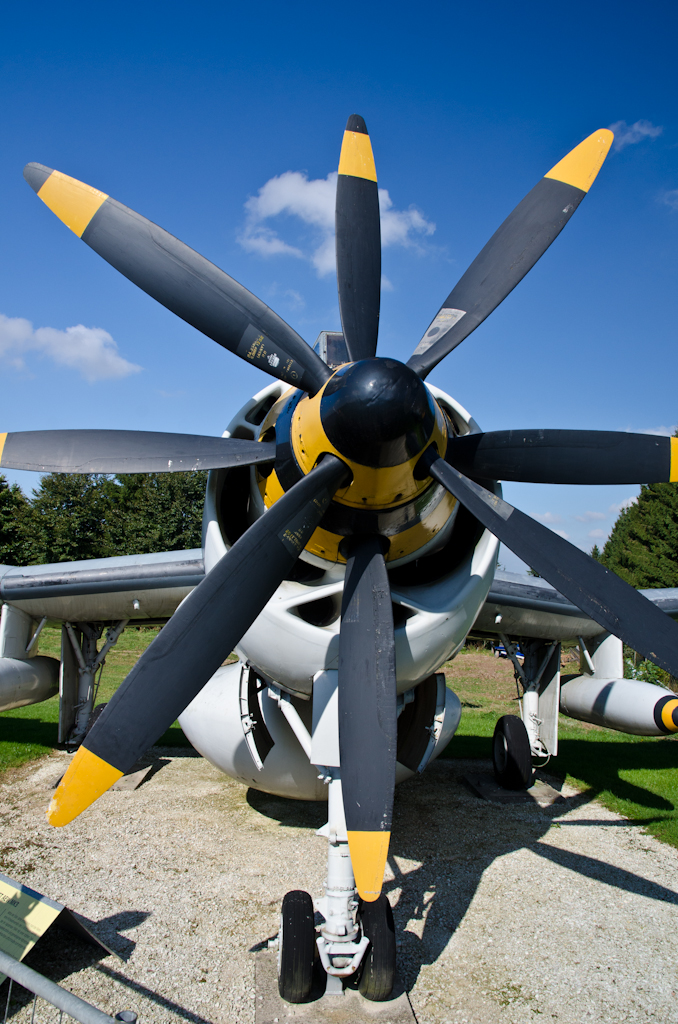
[376, 974]
[511, 753]
[296, 947]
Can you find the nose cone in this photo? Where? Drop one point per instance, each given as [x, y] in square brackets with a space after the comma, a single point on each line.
[377, 412]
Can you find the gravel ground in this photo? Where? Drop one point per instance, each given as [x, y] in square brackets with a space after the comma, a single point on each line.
[503, 913]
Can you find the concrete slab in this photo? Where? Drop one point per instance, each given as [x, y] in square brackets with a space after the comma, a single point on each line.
[350, 1008]
[486, 787]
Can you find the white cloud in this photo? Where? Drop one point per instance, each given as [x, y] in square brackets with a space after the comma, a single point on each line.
[597, 534]
[661, 431]
[89, 350]
[561, 533]
[547, 517]
[671, 198]
[615, 509]
[312, 201]
[590, 517]
[629, 134]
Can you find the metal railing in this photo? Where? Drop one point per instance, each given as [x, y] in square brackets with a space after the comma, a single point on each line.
[65, 1001]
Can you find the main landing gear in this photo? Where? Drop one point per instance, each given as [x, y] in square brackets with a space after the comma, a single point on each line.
[517, 741]
[356, 941]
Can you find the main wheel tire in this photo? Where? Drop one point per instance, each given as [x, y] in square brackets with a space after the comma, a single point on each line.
[377, 969]
[296, 947]
[511, 753]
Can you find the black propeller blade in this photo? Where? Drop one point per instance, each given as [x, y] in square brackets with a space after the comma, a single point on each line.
[513, 249]
[358, 241]
[598, 591]
[565, 456]
[180, 279]
[367, 712]
[125, 451]
[195, 641]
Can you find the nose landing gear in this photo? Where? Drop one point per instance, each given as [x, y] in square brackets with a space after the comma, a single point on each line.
[356, 943]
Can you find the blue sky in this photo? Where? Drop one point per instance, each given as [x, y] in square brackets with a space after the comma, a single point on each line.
[222, 122]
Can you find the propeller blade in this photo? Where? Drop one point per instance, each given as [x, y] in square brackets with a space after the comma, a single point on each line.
[367, 713]
[358, 241]
[191, 647]
[180, 279]
[566, 456]
[513, 249]
[598, 591]
[126, 451]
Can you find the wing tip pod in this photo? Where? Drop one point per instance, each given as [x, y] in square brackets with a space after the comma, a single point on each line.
[86, 779]
[369, 851]
[581, 165]
[73, 202]
[356, 159]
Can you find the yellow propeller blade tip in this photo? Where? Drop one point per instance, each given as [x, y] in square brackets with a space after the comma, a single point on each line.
[580, 167]
[88, 776]
[673, 471]
[369, 851]
[356, 157]
[71, 200]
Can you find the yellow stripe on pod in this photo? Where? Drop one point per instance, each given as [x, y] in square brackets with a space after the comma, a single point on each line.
[673, 469]
[3, 438]
[88, 776]
[71, 200]
[356, 156]
[667, 715]
[369, 851]
[580, 167]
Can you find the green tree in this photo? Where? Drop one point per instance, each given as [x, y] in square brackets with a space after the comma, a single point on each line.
[73, 516]
[158, 512]
[15, 524]
[643, 545]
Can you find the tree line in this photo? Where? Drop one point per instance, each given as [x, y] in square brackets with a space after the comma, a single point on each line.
[74, 516]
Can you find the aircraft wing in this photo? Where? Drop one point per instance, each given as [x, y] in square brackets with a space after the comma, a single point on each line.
[528, 606]
[146, 587]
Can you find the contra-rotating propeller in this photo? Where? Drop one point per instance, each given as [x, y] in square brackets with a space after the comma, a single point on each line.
[374, 421]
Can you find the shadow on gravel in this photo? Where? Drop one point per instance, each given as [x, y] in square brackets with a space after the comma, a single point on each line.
[443, 840]
[60, 954]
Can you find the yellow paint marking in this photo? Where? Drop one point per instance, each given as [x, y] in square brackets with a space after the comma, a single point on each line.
[3, 438]
[667, 715]
[580, 167]
[356, 156]
[369, 851]
[673, 470]
[73, 202]
[88, 776]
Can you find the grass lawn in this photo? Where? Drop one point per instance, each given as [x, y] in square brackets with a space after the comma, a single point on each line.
[30, 732]
[633, 775]
[637, 776]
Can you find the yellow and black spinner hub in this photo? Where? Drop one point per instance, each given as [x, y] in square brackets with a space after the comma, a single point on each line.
[378, 417]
